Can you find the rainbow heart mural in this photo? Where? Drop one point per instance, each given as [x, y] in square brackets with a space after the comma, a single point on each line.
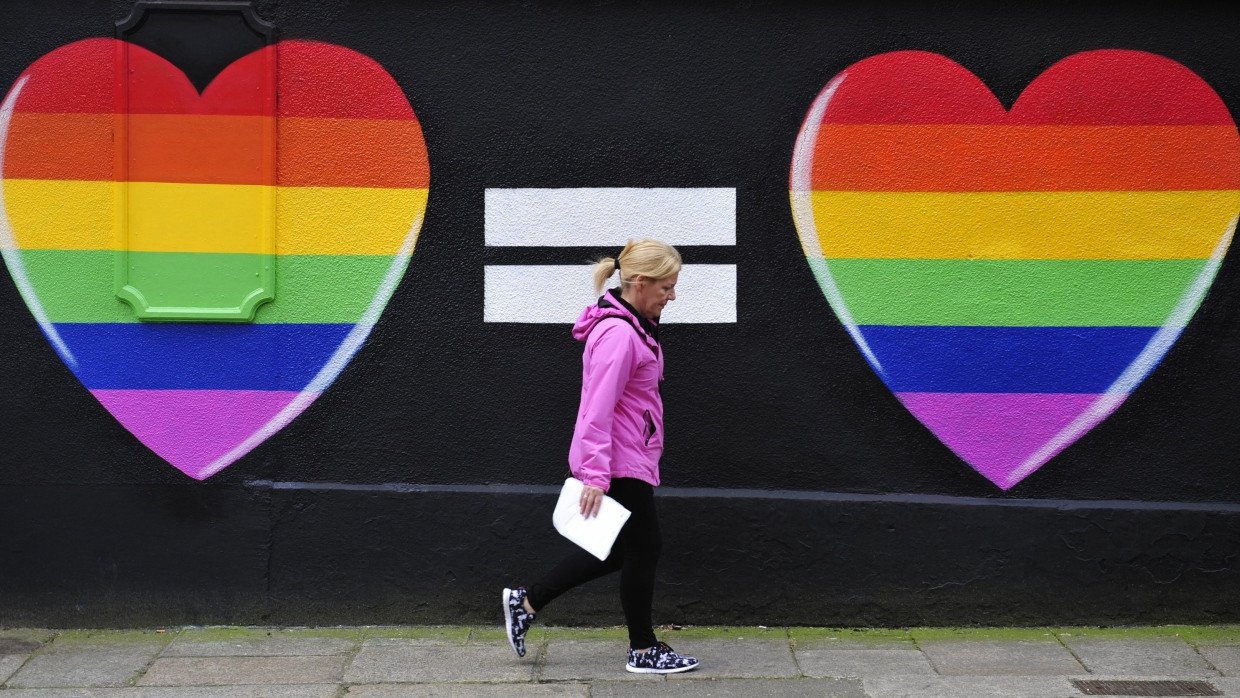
[1013, 275]
[206, 265]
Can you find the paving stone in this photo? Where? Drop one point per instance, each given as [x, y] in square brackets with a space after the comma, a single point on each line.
[740, 688]
[847, 639]
[566, 659]
[224, 671]
[862, 663]
[470, 690]
[273, 646]
[415, 662]
[306, 691]
[9, 664]
[1167, 656]
[738, 659]
[1226, 686]
[85, 665]
[1225, 659]
[958, 686]
[1001, 658]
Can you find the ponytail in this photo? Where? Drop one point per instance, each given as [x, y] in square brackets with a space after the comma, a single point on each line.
[649, 258]
[603, 269]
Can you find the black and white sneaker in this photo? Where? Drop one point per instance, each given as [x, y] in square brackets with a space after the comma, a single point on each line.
[659, 659]
[516, 619]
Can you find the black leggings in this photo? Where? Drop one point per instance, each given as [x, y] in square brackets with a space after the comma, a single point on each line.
[635, 554]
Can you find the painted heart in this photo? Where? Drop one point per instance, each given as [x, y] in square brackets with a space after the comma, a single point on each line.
[1012, 276]
[206, 265]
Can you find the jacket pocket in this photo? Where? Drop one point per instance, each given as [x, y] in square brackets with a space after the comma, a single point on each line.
[650, 430]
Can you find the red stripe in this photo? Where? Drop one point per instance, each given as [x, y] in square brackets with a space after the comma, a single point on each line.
[911, 87]
[314, 80]
[1121, 88]
[328, 81]
[244, 88]
[1106, 87]
[75, 78]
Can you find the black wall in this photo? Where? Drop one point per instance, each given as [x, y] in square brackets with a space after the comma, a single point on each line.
[790, 468]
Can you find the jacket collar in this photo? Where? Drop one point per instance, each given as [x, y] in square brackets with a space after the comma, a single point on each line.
[612, 299]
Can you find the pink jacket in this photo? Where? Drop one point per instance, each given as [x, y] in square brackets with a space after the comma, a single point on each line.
[619, 430]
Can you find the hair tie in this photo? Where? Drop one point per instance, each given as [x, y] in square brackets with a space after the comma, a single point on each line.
[617, 265]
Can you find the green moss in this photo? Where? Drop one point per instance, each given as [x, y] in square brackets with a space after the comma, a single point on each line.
[801, 637]
[1212, 635]
[100, 637]
[984, 634]
[723, 632]
[491, 633]
[1194, 634]
[613, 633]
[449, 634]
[225, 633]
[845, 638]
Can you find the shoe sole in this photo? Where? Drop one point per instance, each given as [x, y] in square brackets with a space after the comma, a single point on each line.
[508, 623]
[638, 670]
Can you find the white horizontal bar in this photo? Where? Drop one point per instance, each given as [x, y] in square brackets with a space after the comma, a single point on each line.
[602, 217]
[557, 294]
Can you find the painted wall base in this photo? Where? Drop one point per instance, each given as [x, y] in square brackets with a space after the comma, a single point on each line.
[258, 554]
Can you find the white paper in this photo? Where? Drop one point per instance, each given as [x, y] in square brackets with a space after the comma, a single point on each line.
[596, 534]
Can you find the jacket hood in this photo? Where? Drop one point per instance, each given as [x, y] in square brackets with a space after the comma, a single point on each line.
[610, 304]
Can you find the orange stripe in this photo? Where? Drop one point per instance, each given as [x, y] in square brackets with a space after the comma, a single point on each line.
[961, 158]
[59, 146]
[199, 149]
[352, 153]
[218, 149]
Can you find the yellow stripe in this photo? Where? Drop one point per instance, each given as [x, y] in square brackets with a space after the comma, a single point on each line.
[346, 220]
[164, 217]
[1022, 225]
[62, 214]
[81, 215]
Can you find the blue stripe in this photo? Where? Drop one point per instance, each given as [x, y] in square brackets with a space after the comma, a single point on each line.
[200, 356]
[940, 359]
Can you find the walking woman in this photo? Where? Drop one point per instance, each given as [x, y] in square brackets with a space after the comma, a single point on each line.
[616, 448]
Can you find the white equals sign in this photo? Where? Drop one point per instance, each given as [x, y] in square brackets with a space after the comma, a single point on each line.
[605, 218]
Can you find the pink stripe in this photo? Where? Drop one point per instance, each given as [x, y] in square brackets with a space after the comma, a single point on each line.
[997, 433]
[191, 429]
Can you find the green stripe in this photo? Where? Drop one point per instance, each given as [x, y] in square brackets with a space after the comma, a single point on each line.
[1014, 293]
[78, 285]
[197, 287]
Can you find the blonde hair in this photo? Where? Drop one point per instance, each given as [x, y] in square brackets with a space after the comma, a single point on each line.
[649, 258]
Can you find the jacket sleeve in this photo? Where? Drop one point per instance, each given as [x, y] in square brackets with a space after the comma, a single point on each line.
[609, 367]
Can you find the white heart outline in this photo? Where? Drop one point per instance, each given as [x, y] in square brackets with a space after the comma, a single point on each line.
[8, 241]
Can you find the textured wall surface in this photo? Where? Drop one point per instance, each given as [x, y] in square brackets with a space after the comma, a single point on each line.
[1003, 389]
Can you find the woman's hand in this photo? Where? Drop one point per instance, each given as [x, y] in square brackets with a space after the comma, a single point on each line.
[591, 501]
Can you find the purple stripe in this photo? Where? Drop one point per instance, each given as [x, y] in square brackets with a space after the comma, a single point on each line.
[996, 433]
[191, 429]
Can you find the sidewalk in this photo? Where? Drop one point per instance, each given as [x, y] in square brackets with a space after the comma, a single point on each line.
[391, 662]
